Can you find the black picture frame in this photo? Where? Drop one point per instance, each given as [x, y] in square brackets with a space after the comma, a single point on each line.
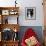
[30, 13]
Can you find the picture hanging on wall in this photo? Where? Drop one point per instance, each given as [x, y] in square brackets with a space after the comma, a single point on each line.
[30, 13]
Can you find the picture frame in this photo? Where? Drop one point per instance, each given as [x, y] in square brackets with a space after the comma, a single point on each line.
[5, 12]
[30, 13]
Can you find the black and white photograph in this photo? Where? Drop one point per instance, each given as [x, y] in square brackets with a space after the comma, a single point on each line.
[30, 13]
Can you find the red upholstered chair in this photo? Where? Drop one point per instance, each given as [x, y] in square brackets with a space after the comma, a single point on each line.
[29, 33]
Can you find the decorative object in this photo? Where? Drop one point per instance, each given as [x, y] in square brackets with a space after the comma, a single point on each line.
[15, 3]
[6, 21]
[7, 34]
[13, 12]
[30, 13]
[5, 12]
[15, 30]
[15, 37]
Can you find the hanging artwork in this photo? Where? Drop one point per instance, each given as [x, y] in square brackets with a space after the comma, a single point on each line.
[30, 13]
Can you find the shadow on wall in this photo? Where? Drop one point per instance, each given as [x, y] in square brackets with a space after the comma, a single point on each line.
[37, 29]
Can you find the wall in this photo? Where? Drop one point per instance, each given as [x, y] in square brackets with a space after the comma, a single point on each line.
[39, 13]
[22, 4]
[22, 21]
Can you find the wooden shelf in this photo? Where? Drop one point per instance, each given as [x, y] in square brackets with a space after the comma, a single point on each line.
[11, 26]
[5, 8]
[4, 13]
[9, 43]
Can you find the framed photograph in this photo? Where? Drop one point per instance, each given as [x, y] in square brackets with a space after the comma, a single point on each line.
[5, 12]
[30, 13]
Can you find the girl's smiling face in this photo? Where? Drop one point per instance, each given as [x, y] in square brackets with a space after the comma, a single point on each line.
[31, 41]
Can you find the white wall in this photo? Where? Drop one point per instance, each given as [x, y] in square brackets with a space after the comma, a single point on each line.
[27, 3]
[39, 12]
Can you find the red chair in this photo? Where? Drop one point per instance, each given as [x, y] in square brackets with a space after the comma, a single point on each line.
[29, 33]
